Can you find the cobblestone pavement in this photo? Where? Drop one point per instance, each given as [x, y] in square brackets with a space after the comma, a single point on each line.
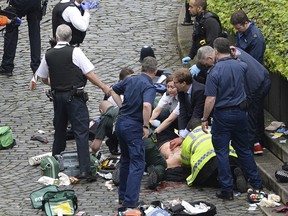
[117, 32]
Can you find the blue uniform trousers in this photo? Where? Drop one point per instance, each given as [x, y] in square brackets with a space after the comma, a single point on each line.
[256, 115]
[132, 162]
[231, 124]
[76, 112]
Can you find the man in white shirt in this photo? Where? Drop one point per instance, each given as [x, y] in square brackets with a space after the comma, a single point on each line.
[66, 69]
[74, 14]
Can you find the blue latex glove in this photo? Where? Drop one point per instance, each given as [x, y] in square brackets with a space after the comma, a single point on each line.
[185, 60]
[89, 5]
[16, 21]
[194, 70]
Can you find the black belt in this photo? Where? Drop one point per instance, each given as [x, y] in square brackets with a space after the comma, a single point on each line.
[228, 108]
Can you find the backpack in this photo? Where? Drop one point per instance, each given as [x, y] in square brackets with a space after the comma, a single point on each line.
[36, 196]
[6, 138]
[59, 203]
[210, 14]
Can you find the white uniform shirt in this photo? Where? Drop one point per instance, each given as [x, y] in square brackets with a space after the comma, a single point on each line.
[73, 15]
[169, 102]
[78, 58]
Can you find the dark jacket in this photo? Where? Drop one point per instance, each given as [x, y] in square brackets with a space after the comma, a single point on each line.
[193, 111]
[207, 27]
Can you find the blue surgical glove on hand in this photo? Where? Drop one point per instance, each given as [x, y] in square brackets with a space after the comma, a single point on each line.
[185, 60]
[194, 70]
[16, 21]
[89, 5]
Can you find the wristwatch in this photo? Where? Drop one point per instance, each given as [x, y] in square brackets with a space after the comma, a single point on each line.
[204, 119]
[145, 126]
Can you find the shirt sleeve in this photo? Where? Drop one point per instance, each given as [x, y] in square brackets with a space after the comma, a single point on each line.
[119, 87]
[211, 86]
[43, 70]
[149, 95]
[82, 61]
[73, 15]
[176, 110]
[163, 101]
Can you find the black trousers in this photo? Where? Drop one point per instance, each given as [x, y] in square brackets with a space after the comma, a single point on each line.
[11, 39]
[187, 13]
[76, 112]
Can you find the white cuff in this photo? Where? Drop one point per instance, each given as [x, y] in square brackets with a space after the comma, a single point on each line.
[183, 133]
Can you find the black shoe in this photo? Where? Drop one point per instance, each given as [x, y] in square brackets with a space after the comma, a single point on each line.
[5, 72]
[88, 176]
[152, 178]
[241, 182]
[225, 195]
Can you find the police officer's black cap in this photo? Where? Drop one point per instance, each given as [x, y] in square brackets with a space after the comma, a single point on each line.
[146, 51]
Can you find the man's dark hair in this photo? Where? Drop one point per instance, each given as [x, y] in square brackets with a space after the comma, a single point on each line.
[239, 17]
[149, 65]
[222, 45]
[202, 3]
[125, 72]
[183, 74]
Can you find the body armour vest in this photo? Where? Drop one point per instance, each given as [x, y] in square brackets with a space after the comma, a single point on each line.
[64, 74]
[57, 19]
[197, 150]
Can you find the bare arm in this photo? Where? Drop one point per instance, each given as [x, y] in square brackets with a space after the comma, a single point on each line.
[166, 123]
[147, 109]
[91, 76]
[209, 104]
[156, 112]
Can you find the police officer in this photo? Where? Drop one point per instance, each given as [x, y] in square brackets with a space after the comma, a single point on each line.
[68, 70]
[248, 36]
[207, 27]
[198, 153]
[225, 93]
[76, 15]
[132, 126]
[257, 86]
[32, 10]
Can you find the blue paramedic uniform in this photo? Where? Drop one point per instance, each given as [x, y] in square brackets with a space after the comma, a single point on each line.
[225, 81]
[129, 130]
[257, 86]
[252, 41]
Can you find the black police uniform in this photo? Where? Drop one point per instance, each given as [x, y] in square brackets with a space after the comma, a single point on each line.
[32, 10]
[57, 19]
[69, 103]
[207, 28]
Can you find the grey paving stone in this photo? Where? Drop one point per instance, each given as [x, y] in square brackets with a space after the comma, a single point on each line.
[118, 30]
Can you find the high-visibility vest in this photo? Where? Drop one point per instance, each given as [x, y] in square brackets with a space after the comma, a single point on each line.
[197, 150]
